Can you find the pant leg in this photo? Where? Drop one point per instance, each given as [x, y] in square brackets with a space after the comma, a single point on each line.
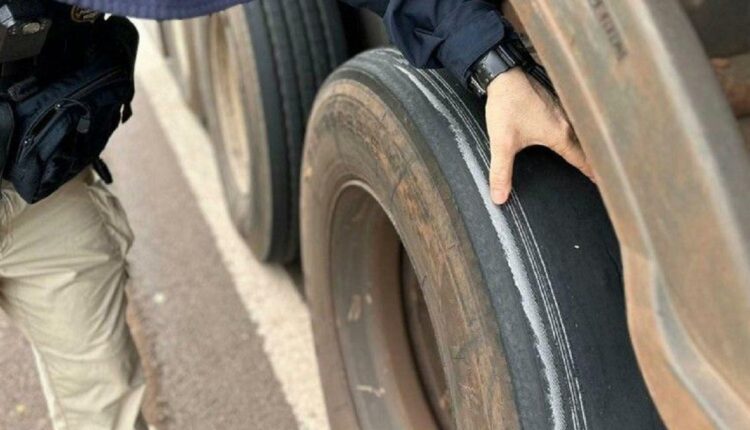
[62, 280]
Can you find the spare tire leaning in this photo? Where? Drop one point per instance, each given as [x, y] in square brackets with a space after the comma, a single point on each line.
[267, 60]
[525, 301]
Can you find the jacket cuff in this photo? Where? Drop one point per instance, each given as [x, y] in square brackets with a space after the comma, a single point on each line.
[478, 30]
[151, 9]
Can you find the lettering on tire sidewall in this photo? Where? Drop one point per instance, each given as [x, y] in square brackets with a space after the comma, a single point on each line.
[607, 22]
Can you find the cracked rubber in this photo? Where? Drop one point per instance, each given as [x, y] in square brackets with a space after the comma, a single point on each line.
[526, 299]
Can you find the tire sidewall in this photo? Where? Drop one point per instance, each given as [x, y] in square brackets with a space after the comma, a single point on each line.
[252, 211]
[373, 148]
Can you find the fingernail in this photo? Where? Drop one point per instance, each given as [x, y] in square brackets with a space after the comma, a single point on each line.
[497, 197]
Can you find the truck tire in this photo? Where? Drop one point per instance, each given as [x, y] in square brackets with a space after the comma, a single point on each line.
[267, 60]
[180, 50]
[523, 317]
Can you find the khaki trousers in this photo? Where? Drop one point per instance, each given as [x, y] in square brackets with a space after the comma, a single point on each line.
[62, 282]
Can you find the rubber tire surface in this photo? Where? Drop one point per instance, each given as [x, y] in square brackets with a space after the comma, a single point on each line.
[179, 45]
[296, 44]
[531, 323]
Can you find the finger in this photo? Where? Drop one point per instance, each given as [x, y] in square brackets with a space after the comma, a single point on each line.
[572, 152]
[501, 172]
[574, 155]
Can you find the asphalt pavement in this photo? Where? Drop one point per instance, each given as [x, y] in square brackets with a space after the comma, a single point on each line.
[226, 340]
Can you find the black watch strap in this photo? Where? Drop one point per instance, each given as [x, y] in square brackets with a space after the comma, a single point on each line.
[509, 53]
[486, 69]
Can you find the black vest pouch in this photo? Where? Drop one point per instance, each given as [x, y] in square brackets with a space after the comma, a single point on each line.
[63, 128]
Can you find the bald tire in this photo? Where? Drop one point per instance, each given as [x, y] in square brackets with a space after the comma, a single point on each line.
[526, 300]
[286, 49]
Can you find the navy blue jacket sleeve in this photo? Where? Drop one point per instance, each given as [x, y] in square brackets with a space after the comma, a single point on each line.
[440, 33]
[430, 33]
[156, 9]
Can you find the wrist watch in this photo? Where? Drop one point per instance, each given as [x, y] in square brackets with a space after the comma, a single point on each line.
[509, 53]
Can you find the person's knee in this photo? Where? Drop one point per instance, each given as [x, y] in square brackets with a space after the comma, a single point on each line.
[84, 328]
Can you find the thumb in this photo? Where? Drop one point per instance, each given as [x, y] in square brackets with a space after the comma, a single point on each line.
[501, 173]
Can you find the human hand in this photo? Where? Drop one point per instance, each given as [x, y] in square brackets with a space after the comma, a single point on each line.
[735, 81]
[522, 113]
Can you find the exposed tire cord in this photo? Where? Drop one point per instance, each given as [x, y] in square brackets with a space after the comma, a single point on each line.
[549, 259]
